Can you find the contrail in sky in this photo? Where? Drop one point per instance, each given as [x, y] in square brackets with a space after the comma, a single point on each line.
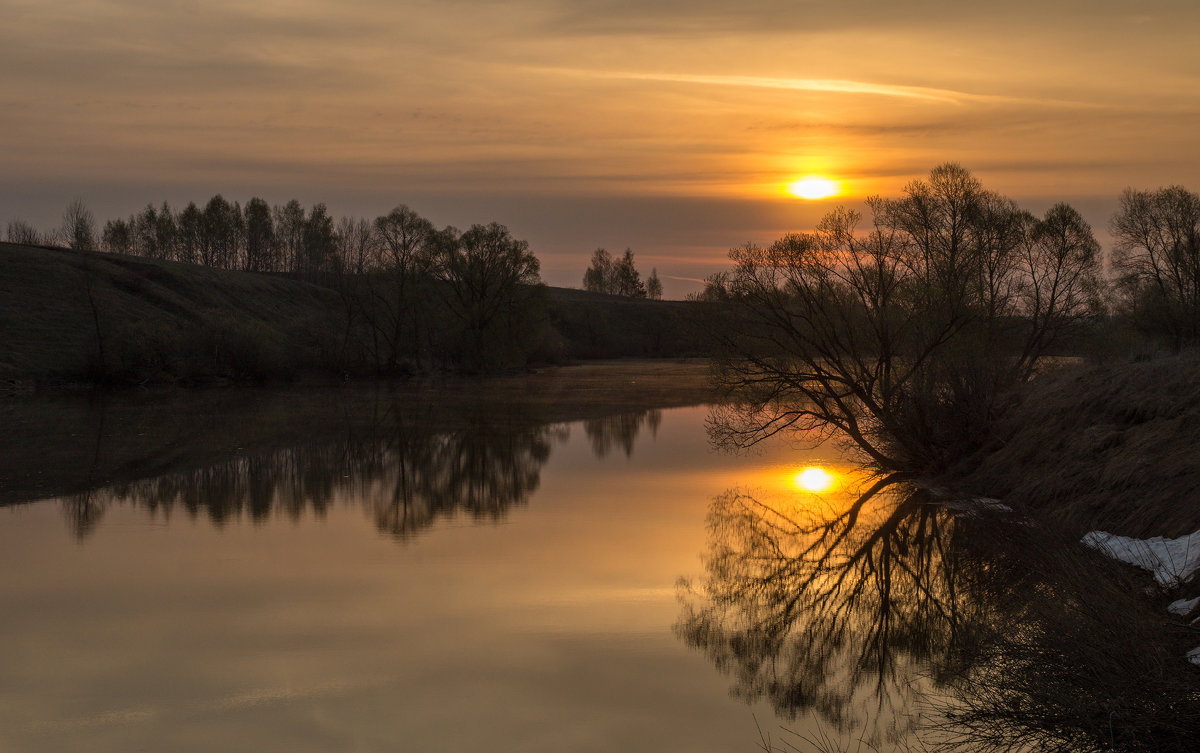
[844, 86]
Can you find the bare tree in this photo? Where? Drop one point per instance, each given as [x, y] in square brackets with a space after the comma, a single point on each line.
[398, 309]
[320, 242]
[221, 233]
[628, 281]
[22, 232]
[357, 244]
[600, 277]
[1156, 254]
[117, 237]
[902, 337]
[289, 232]
[654, 289]
[614, 277]
[190, 228]
[261, 248]
[79, 226]
[493, 291]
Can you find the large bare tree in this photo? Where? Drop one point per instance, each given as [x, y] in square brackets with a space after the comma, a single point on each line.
[900, 332]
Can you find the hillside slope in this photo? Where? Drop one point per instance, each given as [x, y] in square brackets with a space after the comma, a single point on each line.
[69, 316]
[1109, 446]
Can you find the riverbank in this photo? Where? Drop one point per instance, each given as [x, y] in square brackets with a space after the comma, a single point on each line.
[60, 444]
[1114, 446]
[71, 318]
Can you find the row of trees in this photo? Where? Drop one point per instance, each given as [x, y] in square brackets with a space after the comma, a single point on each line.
[255, 238]
[258, 237]
[415, 298]
[620, 277]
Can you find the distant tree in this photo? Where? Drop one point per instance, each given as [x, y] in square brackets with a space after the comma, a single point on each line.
[190, 234]
[716, 289]
[260, 237]
[289, 232]
[1156, 255]
[1059, 267]
[404, 241]
[654, 289]
[627, 280]
[320, 243]
[619, 277]
[166, 233]
[117, 237]
[600, 277]
[22, 232]
[399, 312]
[147, 238]
[78, 226]
[357, 244]
[494, 292]
[221, 230]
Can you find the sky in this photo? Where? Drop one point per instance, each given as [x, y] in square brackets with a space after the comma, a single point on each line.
[668, 127]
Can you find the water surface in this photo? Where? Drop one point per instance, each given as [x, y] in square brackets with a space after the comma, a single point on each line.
[420, 578]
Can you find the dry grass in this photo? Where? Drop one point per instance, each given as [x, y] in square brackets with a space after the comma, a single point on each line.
[59, 308]
[1114, 447]
[166, 322]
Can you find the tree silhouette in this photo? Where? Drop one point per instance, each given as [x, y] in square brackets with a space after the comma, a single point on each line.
[599, 277]
[78, 226]
[900, 339]
[1156, 254]
[493, 292]
[614, 277]
[654, 289]
[260, 237]
[19, 231]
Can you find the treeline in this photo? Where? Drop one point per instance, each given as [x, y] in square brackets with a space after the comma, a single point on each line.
[620, 277]
[1151, 291]
[414, 299]
[256, 237]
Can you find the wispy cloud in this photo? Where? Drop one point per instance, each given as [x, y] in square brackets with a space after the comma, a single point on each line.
[844, 86]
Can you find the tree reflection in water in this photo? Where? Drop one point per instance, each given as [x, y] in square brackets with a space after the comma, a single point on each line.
[409, 465]
[830, 613]
[620, 430]
[899, 620]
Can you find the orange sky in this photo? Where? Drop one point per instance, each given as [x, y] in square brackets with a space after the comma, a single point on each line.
[670, 129]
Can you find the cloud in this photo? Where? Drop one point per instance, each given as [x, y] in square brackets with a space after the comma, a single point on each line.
[798, 84]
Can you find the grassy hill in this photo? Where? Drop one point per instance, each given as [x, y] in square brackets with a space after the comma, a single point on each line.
[69, 316]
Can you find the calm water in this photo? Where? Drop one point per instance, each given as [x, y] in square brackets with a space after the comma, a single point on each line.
[417, 579]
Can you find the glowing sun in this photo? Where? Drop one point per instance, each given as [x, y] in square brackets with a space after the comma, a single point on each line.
[813, 479]
[813, 187]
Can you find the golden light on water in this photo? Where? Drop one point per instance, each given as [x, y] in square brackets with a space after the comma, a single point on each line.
[814, 187]
[814, 479]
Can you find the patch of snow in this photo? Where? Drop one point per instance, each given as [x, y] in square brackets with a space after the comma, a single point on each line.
[1194, 655]
[1183, 606]
[1172, 561]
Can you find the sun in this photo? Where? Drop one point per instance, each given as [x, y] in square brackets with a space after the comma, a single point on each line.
[813, 479]
[814, 187]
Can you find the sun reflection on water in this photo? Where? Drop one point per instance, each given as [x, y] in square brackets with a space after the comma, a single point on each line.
[814, 479]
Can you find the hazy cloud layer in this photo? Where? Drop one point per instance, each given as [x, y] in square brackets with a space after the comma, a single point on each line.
[499, 104]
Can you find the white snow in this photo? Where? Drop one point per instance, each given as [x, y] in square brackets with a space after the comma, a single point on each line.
[1183, 606]
[1194, 655]
[1172, 561]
